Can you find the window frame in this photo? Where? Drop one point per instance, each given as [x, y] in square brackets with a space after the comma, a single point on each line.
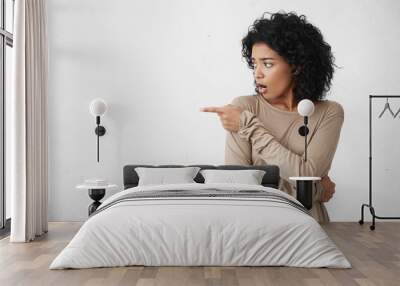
[6, 39]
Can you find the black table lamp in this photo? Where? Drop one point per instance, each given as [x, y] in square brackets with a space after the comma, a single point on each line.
[97, 108]
[304, 184]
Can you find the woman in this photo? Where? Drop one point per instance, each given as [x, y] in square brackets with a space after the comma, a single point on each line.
[290, 61]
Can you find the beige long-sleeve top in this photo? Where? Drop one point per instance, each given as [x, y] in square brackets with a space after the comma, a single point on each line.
[269, 135]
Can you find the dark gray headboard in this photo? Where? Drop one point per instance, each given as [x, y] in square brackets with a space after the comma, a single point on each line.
[271, 177]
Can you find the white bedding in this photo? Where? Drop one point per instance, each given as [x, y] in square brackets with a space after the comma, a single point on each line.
[200, 231]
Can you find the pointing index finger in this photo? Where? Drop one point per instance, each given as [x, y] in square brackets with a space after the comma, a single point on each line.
[212, 109]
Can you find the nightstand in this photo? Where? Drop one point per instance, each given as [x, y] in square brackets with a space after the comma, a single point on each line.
[304, 190]
[96, 193]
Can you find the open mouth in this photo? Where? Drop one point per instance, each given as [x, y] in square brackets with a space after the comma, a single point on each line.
[260, 88]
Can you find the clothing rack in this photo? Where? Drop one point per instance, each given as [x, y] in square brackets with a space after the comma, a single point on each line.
[369, 205]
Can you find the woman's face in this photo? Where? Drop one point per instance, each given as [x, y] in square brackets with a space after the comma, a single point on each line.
[272, 74]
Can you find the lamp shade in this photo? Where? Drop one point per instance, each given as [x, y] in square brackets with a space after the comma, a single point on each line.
[305, 107]
[97, 107]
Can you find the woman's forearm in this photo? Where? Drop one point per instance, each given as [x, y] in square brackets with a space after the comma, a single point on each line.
[321, 148]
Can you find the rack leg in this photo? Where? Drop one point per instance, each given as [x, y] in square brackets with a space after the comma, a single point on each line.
[372, 210]
[361, 221]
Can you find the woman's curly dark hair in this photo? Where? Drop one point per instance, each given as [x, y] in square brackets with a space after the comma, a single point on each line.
[302, 45]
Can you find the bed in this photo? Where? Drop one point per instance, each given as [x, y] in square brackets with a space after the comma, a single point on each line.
[201, 224]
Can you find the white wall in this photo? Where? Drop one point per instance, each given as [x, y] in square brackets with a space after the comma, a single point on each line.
[156, 62]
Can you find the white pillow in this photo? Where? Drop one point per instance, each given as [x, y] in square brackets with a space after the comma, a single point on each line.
[248, 177]
[164, 176]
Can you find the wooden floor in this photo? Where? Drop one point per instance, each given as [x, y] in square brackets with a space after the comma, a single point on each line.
[375, 256]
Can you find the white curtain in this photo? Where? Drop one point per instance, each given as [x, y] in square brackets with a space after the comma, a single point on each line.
[27, 122]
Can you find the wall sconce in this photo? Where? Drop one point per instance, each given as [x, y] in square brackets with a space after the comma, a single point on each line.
[305, 108]
[97, 108]
[304, 184]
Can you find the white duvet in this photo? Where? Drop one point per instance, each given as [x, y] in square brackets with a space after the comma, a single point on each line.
[200, 231]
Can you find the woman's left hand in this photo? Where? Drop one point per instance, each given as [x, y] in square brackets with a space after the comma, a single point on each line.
[329, 189]
[229, 116]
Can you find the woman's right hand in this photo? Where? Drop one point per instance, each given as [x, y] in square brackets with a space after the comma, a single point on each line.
[328, 189]
[229, 116]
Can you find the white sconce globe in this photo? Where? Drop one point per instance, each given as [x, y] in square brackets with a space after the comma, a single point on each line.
[97, 107]
[305, 107]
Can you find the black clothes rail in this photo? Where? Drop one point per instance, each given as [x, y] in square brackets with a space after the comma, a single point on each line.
[369, 205]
